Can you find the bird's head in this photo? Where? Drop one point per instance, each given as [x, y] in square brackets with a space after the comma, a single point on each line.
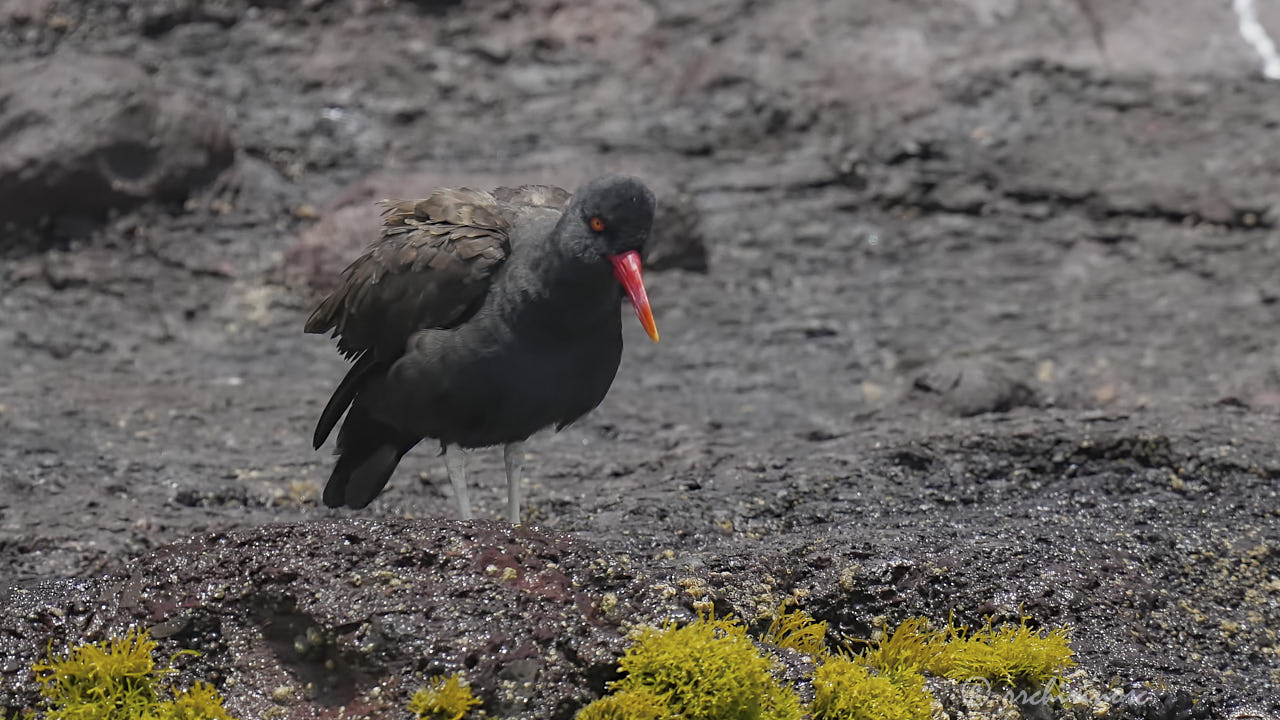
[615, 214]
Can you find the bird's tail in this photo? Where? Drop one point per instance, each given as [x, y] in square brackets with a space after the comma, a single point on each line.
[361, 371]
[368, 452]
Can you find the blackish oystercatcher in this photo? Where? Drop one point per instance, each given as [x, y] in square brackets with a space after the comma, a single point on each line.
[479, 319]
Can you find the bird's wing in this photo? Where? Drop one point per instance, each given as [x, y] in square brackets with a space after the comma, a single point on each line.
[534, 196]
[430, 268]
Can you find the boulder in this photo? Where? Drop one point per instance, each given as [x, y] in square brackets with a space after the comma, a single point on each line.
[87, 134]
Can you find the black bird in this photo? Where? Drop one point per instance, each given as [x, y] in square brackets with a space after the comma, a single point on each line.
[478, 319]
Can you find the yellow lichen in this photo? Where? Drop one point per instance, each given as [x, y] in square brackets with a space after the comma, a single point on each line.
[711, 670]
[118, 680]
[707, 670]
[626, 705]
[797, 630]
[1011, 654]
[894, 667]
[909, 649]
[200, 702]
[444, 698]
[846, 689]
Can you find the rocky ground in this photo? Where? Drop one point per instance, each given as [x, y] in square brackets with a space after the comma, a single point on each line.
[966, 308]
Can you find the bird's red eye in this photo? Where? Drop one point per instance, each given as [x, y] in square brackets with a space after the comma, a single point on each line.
[597, 224]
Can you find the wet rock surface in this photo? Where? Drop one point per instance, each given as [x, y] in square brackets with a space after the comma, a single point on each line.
[986, 330]
[358, 614]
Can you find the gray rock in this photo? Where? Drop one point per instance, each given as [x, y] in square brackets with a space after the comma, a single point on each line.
[676, 241]
[87, 134]
[972, 386]
[21, 12]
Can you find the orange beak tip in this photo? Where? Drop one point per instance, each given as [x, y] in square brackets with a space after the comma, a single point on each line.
[626, 267]
[651, 328]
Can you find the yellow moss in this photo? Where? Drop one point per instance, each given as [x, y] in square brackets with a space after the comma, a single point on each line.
[797, 630]
[444, 698]
[707, 670]
[845, 689]
[911, 648]
[122, 669]
[201, 702]
[1012, 654]
[117, 680]
[626, 705]
[892, 679]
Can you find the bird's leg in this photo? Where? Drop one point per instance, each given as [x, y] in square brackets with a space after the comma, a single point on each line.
[455, 459]
[513, 456]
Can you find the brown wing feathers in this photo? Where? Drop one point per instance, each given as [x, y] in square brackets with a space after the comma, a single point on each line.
[433, 260]
[431, 264]
[429, 268]
[545, 196]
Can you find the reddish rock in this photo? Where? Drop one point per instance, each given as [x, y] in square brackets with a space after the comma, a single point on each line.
[85, 134]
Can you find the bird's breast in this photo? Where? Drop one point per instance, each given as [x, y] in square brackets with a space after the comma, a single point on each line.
[492, 385]
[559, 378]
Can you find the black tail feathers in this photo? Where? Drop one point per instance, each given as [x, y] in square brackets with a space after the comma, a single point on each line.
[368, 453]
[355, 482]
[342, 398]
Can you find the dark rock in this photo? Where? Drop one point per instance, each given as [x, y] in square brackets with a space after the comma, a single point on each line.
[970, 158]
[358, 609]
[87, 134]
[21, 12]
[676, 241]
[158, 18]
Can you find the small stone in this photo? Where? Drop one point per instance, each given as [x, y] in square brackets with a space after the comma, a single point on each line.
[1045, 372]
[1105, 394]
[972, 386]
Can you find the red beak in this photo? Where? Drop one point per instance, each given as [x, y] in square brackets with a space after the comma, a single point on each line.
[626, 267]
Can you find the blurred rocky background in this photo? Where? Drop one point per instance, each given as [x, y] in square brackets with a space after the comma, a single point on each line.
[966, 307]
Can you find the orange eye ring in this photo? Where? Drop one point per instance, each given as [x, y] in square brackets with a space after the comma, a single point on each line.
[596, 224]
